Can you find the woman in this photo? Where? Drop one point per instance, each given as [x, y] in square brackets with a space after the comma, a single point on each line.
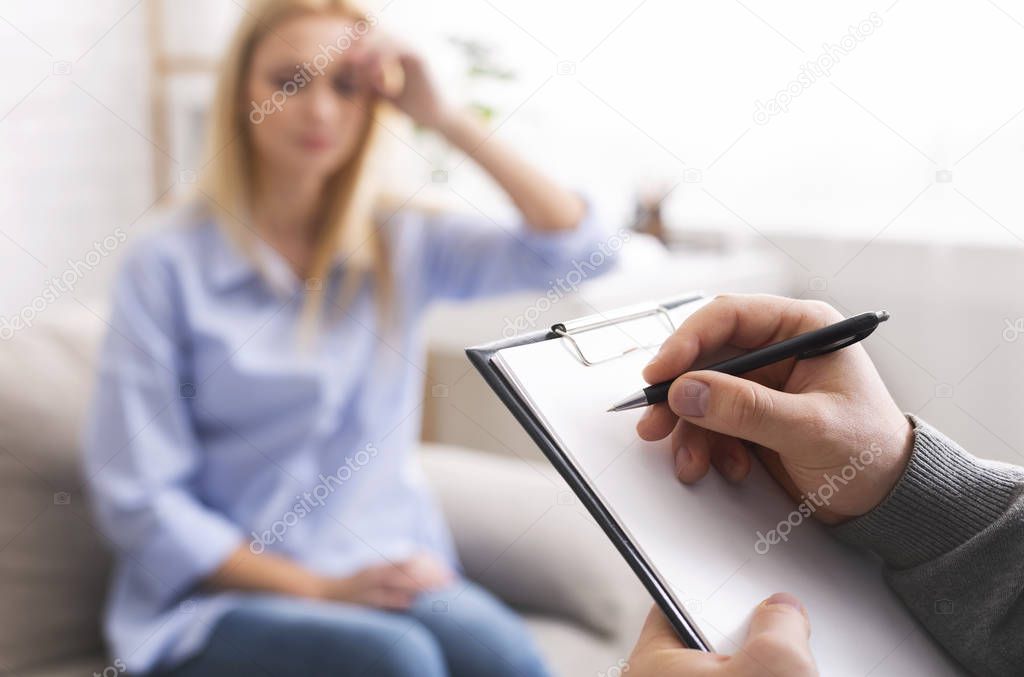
[249, 448]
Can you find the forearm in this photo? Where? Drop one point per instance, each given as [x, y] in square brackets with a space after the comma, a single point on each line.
[544, 204]
[952, 536]
[265, 572]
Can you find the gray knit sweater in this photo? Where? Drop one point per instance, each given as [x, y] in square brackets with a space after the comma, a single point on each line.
[951, 535]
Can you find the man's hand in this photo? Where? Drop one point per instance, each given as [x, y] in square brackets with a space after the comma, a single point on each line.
[776, 644]
[807, 420]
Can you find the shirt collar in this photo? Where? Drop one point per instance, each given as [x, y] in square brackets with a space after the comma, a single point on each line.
[230, 266]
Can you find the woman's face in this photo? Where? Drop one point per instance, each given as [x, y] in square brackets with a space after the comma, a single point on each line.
[305, 104]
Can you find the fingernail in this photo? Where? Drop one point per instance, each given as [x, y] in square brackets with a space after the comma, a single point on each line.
[657, 355]
[682, 459]
[729, 466]
[735, 462]
[786, 599]
[691, 399]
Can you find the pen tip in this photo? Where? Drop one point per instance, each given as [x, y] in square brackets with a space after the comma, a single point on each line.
[882, 315]
[632, 402]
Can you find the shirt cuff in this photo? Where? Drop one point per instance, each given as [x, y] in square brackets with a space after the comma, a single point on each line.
[559, 247]
[944, 498]
[188, 545]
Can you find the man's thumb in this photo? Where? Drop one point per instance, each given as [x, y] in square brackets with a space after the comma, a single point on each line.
[778, 637]
[738, 407]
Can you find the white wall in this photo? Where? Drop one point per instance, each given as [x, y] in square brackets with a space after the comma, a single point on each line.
[76, 144]
[75, 161]
[649, 90]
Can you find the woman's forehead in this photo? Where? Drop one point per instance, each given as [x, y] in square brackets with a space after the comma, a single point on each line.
[301, 38]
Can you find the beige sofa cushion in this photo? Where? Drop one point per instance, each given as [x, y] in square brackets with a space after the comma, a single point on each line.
[524, 535]
[53, 563]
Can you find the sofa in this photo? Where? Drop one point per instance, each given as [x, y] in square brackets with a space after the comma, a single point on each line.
[518, 529]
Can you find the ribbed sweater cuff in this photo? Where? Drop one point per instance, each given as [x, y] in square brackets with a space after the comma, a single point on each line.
[944, 497]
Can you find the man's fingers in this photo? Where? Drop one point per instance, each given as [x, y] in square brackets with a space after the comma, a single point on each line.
[656, 423]
[777, 642]
[781, 615]
[692, 451]
[743, 321]
[729, 456]
[660, 652]
[657, 633]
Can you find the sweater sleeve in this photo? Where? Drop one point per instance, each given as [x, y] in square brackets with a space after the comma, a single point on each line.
[951, 535]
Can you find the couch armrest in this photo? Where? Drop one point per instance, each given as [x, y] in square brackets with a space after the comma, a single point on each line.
[522, 533]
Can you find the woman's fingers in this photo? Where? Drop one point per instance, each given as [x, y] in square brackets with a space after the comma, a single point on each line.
[385, 598]
[379, 65]
[428, 572]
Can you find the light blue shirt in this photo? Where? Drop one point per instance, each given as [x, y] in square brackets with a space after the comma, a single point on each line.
[211, 426]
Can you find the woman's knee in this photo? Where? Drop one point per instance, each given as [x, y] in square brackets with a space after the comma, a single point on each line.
[377, 644]
[479, 634]
[410, 651]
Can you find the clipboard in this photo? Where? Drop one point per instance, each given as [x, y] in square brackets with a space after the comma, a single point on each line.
[680, 560]
[481, 357]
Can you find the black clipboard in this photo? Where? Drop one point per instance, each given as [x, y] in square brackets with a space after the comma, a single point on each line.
[481, 356]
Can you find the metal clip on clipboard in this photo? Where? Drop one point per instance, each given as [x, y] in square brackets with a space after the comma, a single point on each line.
[573, 329]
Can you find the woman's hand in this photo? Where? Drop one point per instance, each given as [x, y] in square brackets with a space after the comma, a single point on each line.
[776, 644]
[399, 75]
[388, 586]
[826, 428]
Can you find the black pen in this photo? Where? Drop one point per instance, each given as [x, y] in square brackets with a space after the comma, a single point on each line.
[803, 346]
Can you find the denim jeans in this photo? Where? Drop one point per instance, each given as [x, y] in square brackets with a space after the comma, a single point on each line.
[462, 631]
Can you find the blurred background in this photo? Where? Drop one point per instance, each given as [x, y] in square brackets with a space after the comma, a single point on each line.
[870, 154]
[864, 153]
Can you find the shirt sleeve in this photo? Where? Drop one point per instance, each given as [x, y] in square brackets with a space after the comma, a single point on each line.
[465, 257]
[951, 534]
[141, 454]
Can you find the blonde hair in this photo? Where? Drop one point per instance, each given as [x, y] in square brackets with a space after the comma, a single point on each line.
[347, 211]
